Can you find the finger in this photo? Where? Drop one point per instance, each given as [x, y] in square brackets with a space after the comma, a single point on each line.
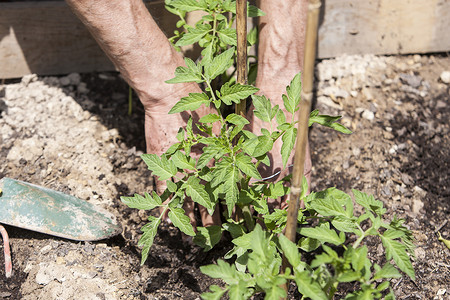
[188, 207]
[207, 219]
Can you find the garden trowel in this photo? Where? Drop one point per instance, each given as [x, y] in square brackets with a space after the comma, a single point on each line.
[44, 210]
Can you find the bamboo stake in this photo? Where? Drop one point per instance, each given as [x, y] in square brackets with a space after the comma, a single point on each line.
[303, 117]
[241, 28]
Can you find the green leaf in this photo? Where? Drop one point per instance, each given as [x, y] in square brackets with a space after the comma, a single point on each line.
[288, 139]
[369, 202]
[290, 250]
[147, 238]
[244, 163]
[388, 271]
[182, 162]
[220, 172]
[308, 244]
[236, 230]
[192, 102]
[193, 35]
[208, 153]
[294, 90]
[188, 5]
[280, 117]
[187, 74]
[397, 251]
[171, 186]
[181, 221]
[344, 224]
[323, 233]
[222, 270]
[163, 168]
[231, 189]
[210, 118]
[208, 237]
[348, 276]
[237, 119]
[236, 92]
[198, 193]
[252, 36]
[263, 108]
[219, 64]
[139, 202]
[258, 146]
[215, 294]
[253, 11]
[228, 36]
[327, 121]
[308, 287]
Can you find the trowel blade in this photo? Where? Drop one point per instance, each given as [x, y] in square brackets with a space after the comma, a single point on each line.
[51, 212]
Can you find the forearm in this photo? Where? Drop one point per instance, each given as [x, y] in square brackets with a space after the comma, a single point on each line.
[282, 35]
[133, 41]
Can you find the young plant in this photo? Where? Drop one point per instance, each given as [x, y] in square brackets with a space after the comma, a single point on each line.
[225, 174]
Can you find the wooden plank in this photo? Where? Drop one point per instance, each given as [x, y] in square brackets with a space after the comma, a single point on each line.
[384, 27]
[46, 38]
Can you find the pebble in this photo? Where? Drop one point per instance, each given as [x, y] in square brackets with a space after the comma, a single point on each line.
[411, 80]
[74, 78]
[445, 77]
[46, 249]
[64, 81]
[368, 115]
[82, 89]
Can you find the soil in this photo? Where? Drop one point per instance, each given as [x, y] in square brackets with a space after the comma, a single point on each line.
[74, 134]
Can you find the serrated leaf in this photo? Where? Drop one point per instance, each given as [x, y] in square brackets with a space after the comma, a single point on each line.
[222, 270]
[308, 244]
[231, 189]
[193, 35]
[188, 5]
[181, 221]
[253, 11]
[294, 91]
[369, 202]
[220, 172]
[263, 108]
[237, 119]
[161, 167]
[344, 224]
[146, 240]
[171, 186]
[140, 202]
[228, 36]
[192, 102]
[327, 121]
[290, 250]
[208, 237]
[236, 230]
[198, 193]
[288, 139]
[397, 251]
[208, 153]
[244, 163]
[258, 146]
[349, 276]
[323, 234]
[215, 294]
[236, 92]
[219, 64]
[184, 74]
[252, 36]
[210, 118]
[182, 162]
[388, 271]
[308, 287]
[280, 117]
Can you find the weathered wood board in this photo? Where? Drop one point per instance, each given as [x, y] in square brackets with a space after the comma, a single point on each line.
[384, 27]
[44, 37]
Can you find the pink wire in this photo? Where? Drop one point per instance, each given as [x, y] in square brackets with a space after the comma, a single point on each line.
[8, 262]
